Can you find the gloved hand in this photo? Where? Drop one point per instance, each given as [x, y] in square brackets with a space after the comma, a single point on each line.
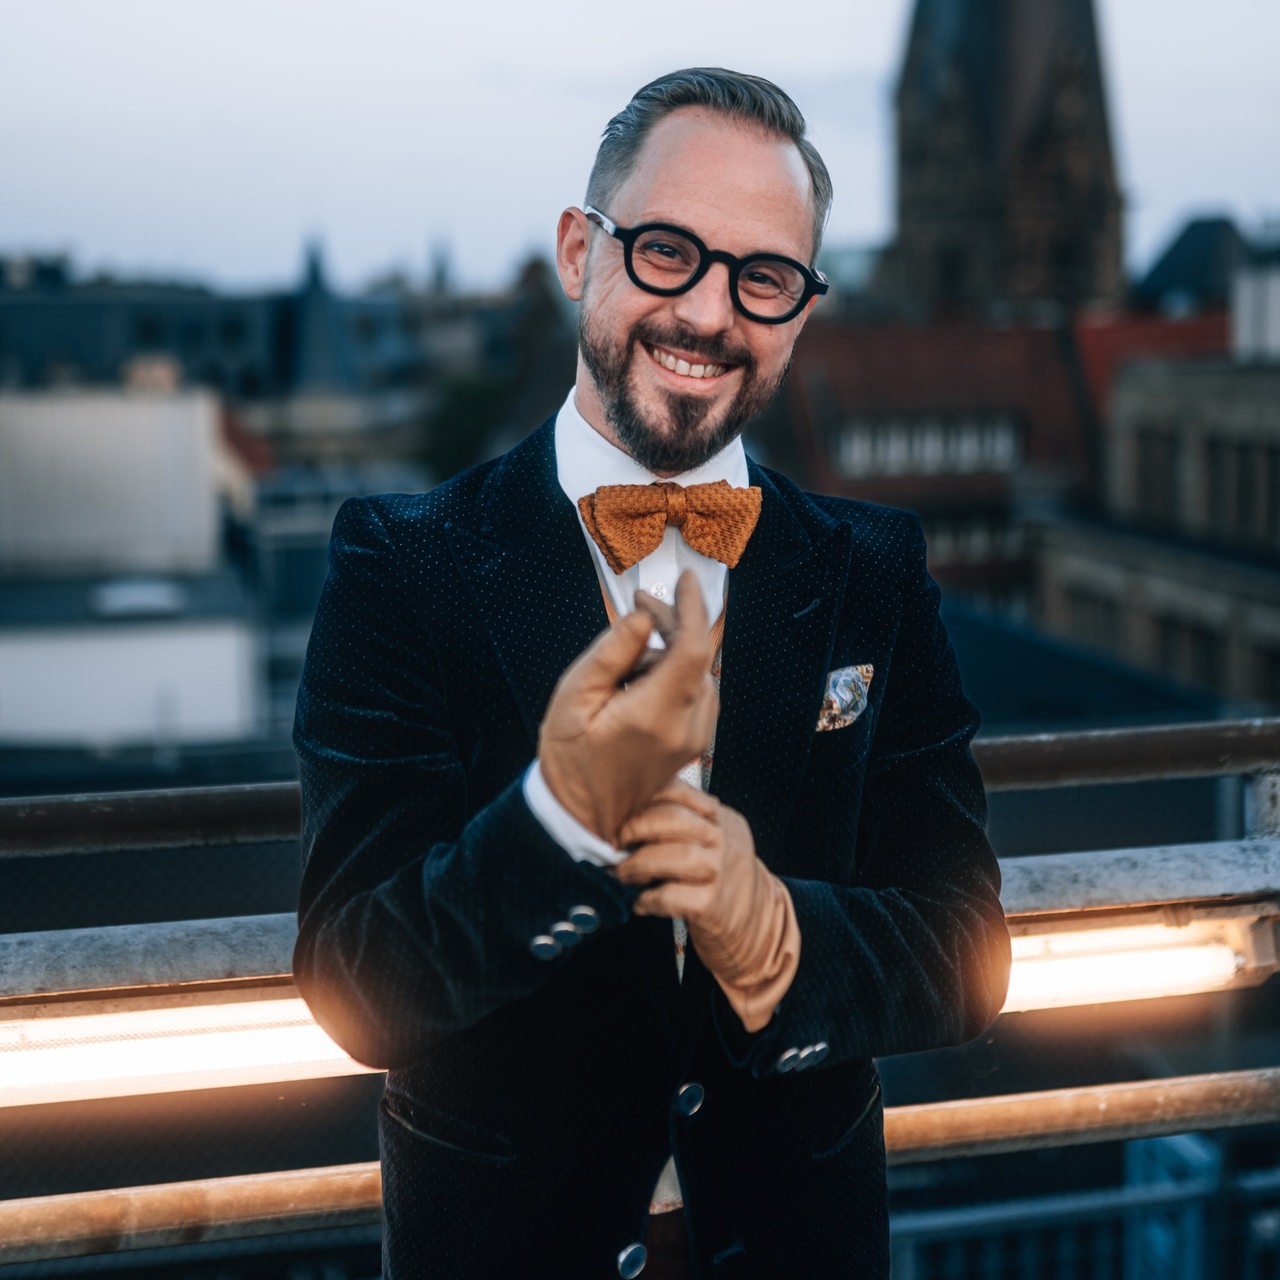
[699, 860]
[610, 740]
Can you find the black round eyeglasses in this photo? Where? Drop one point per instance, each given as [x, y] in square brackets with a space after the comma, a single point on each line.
[667, 260]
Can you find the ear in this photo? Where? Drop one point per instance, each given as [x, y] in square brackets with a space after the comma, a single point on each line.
[800, 320]
[572, 241]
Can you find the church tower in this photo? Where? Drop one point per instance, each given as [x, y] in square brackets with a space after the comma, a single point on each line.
[1007, 195]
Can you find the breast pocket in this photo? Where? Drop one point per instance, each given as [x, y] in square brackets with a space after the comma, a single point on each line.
[846, 747]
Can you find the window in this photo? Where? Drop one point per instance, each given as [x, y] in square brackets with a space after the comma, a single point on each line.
[1266, 675]
[148, 330]
[1094, 619]
[1270, 517]
[1157, 477]
[233, 330]
[1246, 488]
[1189, 651]
[1217, 479]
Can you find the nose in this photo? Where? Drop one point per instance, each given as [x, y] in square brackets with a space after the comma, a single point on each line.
[707, 308]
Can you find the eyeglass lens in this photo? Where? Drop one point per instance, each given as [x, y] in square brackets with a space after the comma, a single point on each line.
[767, 287]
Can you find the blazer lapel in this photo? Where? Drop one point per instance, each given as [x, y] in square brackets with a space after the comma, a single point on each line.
[785, 597]
[530, 574]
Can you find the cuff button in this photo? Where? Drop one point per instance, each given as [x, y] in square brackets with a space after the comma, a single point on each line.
[788, 1059]
[584, 919]
[566, 934]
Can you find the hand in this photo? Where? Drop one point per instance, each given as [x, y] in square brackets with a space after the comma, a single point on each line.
[698, 859]
[665, 623]
[606, 747]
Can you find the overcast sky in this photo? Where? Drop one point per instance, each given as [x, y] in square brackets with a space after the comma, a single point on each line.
[159, 137]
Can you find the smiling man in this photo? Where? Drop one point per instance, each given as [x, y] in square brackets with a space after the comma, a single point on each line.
[629, 934]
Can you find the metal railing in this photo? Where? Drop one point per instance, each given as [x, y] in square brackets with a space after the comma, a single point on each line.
[257, 948]
[350, 1195]
[197, 817]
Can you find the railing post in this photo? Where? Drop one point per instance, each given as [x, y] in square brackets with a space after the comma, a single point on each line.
[1263, 814]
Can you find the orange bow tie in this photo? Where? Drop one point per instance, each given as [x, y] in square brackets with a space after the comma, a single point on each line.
[627, 520]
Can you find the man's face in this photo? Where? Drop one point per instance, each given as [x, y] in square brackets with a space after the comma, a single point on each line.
[672, 380]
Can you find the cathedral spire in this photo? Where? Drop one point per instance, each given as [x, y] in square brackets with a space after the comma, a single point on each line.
[1007, 192]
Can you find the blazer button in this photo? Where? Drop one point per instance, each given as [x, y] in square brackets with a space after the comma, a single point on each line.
[545, 947]
[584, 919]
[788, 1059]
[689, 1098]
[820, 1051]
[566, 934]
[631, 1261]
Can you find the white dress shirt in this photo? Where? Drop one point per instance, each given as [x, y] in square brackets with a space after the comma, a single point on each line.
[584, 461]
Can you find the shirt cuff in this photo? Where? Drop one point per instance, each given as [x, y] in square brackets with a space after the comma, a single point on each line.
[581, 844]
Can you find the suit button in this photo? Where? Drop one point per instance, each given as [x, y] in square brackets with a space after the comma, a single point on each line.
[689, 1098]
[584, 919]
[566, 934]
[788, 1059]
[820, 1051]
[631, 1261]
[545, 947]
[805, 1058]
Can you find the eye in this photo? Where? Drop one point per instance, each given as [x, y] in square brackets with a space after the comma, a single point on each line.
[770, 278]
[666, 251]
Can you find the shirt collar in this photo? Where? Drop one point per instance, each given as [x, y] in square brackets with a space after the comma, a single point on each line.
[585, 459]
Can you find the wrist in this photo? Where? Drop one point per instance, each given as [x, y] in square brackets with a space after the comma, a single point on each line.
[575, 838]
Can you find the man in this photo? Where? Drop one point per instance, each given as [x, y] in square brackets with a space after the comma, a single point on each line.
[630, 1018]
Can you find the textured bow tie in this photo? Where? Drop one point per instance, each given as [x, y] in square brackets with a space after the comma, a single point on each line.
[627, 520]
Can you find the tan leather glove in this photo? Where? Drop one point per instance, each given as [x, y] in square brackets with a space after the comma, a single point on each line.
[605, 746]
[699, 860]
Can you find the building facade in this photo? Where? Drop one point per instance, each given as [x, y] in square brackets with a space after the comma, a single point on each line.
[1180, 571]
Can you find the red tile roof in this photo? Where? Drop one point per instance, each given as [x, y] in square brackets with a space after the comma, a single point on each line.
[1107, 343]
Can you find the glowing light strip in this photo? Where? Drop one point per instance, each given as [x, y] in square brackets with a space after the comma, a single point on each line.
[46, 1059]
[1102, 966]
[119, 1054]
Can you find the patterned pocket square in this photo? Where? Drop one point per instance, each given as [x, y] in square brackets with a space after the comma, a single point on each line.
[846, 696]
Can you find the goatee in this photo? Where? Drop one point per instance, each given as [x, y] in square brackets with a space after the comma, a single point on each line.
[685, 439]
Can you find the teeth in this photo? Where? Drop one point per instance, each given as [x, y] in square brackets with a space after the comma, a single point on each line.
[683, 367]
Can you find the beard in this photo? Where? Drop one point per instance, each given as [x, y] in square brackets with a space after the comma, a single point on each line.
[689, 434]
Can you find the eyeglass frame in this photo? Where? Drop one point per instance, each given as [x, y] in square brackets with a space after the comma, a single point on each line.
[815, 283]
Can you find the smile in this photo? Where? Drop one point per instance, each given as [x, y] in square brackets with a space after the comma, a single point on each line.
[674, 364]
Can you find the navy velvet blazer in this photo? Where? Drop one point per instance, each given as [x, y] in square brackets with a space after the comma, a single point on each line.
[532, 1098]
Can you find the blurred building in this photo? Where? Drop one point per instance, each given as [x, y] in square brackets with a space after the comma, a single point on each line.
[984, 430]
[314, 372]
[1196, 270]
[1007, 198]
[968, 425]
[1180, 572]
[123, 621]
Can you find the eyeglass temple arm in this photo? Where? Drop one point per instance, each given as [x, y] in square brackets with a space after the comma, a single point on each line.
[605, 223]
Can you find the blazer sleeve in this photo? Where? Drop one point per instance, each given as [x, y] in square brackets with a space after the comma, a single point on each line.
[913, 952]
[417, 909]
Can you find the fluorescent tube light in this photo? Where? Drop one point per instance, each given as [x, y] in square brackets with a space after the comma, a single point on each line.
[1133, 962]
[124, 1052]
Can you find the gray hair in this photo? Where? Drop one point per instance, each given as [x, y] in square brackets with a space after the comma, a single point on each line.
[749, 100]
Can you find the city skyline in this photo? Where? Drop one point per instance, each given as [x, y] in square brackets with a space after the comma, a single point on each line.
[139, 138]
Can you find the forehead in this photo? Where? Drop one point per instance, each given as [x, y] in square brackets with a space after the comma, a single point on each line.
[737, 188]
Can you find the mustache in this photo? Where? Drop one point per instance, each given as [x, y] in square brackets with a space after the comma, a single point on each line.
[711, 350]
